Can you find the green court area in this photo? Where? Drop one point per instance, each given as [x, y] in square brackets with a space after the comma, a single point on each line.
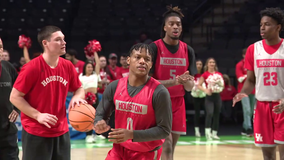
[183, 141]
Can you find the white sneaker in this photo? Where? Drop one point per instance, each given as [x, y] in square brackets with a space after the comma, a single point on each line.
[100, 137]
[197, 134]
[208, 136]
[90, 139]
[215, 137]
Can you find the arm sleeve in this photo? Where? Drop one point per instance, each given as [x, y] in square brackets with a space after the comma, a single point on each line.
[155, 51]
[192, 63]
[26, 79]
[13, 73]
[75, 83]
[249, 59]
[163, 112]
[106, 105]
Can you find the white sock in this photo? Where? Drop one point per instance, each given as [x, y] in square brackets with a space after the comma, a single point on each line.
[196, 129]
[214, 133]
[207, 130]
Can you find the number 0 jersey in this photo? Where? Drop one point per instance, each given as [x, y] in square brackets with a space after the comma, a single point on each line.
[267, 62]
[169, 65]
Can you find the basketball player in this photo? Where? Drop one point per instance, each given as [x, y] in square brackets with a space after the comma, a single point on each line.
[142, 108]
[172, 58]
[8, 131]
[40, 92]
[264, 61]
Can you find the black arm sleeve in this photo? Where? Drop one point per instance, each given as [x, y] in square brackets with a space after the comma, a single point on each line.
[13, 73]
[155, 51]
[163, 112]
[106, 105]
[192, 63]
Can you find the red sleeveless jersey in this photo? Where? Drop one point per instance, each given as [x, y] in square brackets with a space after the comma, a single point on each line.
[169, 65]
[136, 113]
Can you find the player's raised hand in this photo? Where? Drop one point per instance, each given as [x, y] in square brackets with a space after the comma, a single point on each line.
[280, 107]
[13, 116]
[120, 135]
[75, 100]
[238, 97]
[101, 127]
[47, 119]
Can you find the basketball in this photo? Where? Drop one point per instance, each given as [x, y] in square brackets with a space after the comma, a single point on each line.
[82, 117]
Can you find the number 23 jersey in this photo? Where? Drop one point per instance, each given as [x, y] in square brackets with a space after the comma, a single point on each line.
[267, 62]
[169, 65]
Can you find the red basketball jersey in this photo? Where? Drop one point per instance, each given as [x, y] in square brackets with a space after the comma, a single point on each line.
[169, 65]
[45, 89]
[136, 113]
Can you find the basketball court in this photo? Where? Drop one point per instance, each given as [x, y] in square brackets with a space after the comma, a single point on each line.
[188, 148]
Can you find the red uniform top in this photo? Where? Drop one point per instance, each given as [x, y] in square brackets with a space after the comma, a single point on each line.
[136, 113]
[228, 93]
[113, 71]
[79, 66]
[267, 63]
[240, 72]
[122, 72]
[104, 75]
[45, 90]
[169, 65]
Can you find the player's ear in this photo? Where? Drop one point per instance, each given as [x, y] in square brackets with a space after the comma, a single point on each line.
[44, 43]
[128, 60]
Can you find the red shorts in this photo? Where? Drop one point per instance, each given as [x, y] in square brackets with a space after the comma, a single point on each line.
[268, 126]
[179, 115]
[120, 153]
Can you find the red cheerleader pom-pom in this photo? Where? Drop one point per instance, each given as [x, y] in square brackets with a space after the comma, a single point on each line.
[93, 46]
[24, 41]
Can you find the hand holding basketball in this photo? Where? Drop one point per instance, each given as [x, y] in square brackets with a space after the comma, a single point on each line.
[47, 119]
[101, 127]
[120, 135]
[75, 101]
[238, 97]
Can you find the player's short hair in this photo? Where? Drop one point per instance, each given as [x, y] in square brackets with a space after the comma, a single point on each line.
[171, 11]
[139, 46]
[275, 13]
[72, 52]
[45, 33]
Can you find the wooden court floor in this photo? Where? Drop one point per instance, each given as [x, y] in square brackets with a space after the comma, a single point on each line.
[195, 152]
[188, 148]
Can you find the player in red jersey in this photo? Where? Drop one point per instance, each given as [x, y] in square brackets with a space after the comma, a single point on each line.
[124, 69]
[78, 64]
[265, 71]
[173, 58]
[142, 108]
[247, 102]
[40, 92]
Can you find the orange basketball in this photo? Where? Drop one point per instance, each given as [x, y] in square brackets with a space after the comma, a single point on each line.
[82, 117]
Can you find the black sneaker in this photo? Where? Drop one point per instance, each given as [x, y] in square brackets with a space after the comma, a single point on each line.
[249, 133]
[244, 132]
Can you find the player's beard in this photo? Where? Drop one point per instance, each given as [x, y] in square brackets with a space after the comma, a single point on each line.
[174, 38]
